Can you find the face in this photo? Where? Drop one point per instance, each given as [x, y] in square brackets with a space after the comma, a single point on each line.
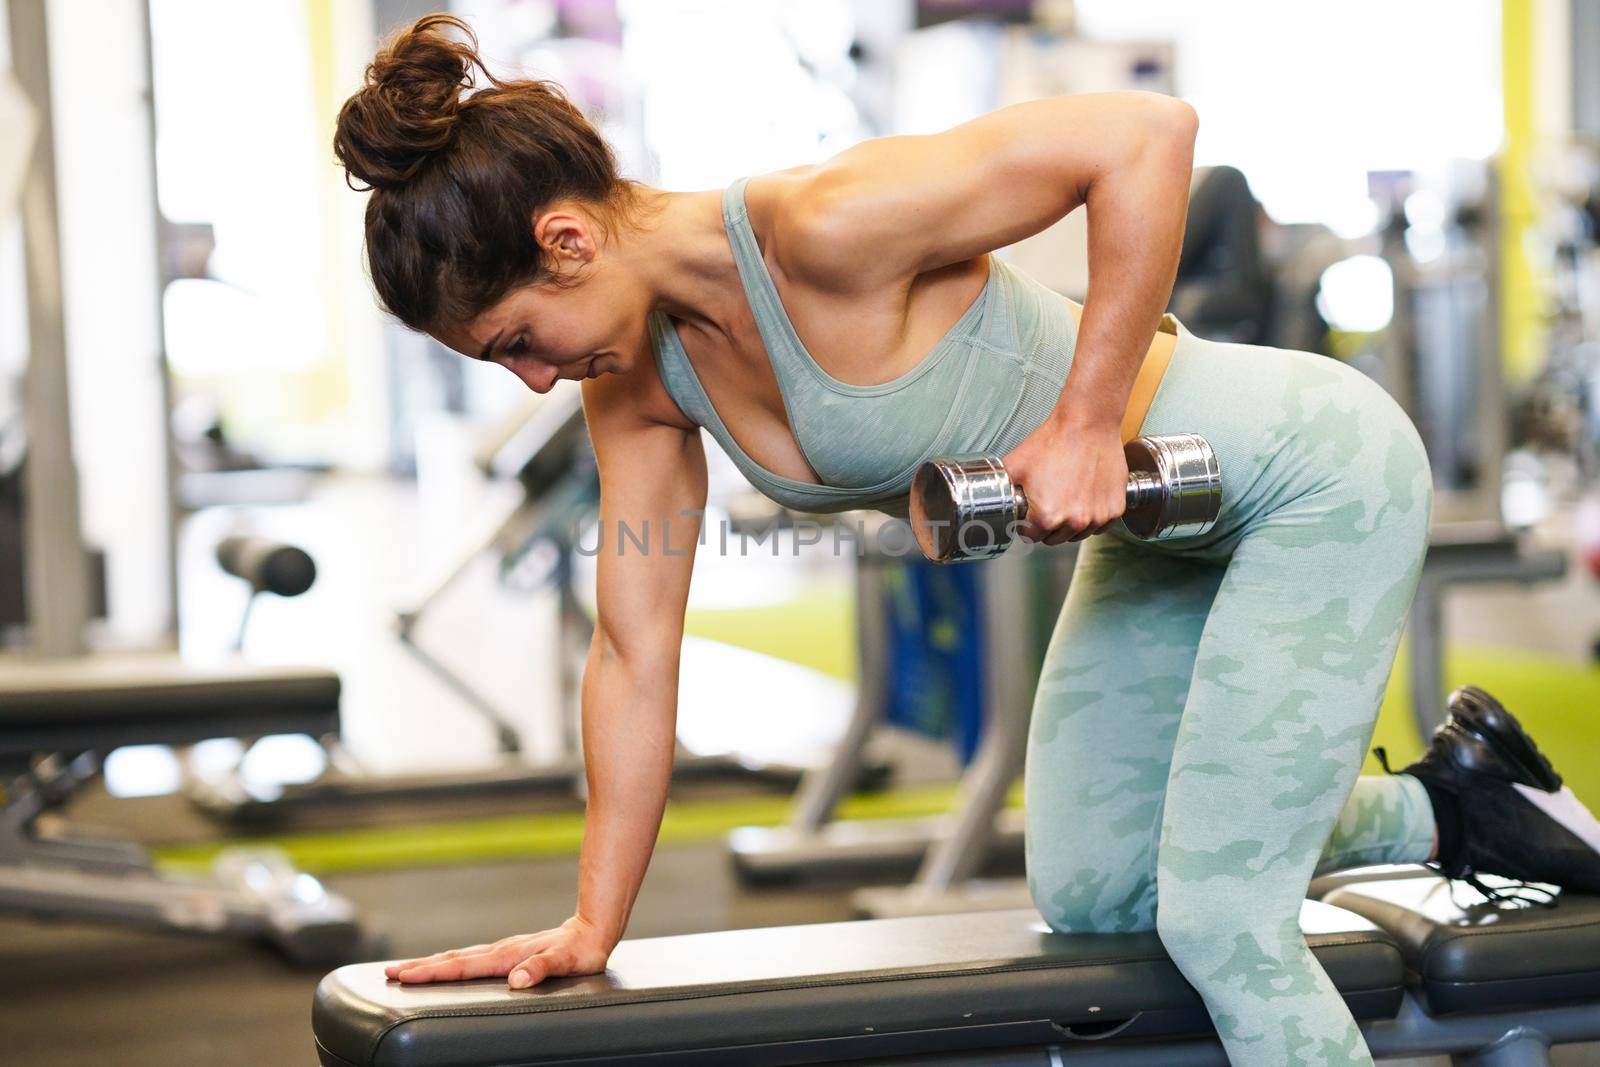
[589, 321]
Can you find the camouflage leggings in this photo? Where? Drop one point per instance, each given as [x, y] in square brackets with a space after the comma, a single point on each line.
[1205, 707]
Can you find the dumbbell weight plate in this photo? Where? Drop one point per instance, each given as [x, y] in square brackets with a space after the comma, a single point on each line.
[1186, 464]
[975, 492]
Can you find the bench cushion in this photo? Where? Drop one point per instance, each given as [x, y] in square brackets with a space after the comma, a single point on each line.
[816, 993]
[97, 702]
[1473, 956]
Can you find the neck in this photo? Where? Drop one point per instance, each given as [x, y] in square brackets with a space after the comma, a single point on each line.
[681, 252]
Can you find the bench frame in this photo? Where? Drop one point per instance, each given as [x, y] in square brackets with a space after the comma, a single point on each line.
[51, 741]
[250, 893]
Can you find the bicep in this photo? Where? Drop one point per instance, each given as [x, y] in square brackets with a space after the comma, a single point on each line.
[926, 201]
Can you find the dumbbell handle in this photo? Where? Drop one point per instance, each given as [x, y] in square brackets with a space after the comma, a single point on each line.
[1143, 488]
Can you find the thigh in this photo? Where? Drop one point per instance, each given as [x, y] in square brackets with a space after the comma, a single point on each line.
[1107, 708]
[1287, 682]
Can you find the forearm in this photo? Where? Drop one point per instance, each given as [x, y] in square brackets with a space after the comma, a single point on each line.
[1136, 214]
[629, 734]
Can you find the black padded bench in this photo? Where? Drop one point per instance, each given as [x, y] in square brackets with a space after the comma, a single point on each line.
[1471, 960]
[101, 702]
[58, 717]
[915, 990]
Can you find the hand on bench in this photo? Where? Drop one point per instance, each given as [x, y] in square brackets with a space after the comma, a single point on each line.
[574, 947]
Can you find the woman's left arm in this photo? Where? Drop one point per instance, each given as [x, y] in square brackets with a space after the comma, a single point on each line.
[1073, 460]
[894, 207]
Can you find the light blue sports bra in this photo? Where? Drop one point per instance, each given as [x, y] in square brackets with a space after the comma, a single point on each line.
[989, 381]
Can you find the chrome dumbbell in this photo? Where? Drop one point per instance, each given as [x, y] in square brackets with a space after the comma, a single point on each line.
[967, 508]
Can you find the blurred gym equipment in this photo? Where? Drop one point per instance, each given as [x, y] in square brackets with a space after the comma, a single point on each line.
[59, 717]
[268, 567]
[213, 473]
[544, 448]
[945, 851]
[1225, 287]
[1463, 553]
[58, 582]
[14, 629]
[62, 710]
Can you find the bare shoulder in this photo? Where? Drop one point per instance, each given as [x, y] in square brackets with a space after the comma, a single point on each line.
[798, 216]
[852, 224]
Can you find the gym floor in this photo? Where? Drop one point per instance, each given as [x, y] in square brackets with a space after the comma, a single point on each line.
[452, 874]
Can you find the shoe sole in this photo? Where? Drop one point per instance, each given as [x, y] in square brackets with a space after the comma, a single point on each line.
[1487, 719]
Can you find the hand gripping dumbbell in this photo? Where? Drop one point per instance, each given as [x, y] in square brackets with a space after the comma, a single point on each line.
[967, 508]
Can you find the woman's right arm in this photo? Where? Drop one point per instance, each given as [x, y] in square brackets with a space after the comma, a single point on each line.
[652, 492]
[653, 484]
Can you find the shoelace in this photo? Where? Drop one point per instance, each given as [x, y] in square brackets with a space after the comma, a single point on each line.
[1513, 896]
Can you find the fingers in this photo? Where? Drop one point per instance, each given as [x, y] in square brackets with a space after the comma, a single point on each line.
[524, 960]
[477, 961]
[1073, 530]
[490, 963]
[1029, 531]
[1052, 531]
[1091, 531]
[1060, 535]
[536, 968]
[557, 958]
[394, 969]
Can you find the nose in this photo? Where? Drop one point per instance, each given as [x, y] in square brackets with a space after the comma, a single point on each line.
[541, 378]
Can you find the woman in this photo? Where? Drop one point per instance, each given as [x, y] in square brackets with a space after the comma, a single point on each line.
[1206, 702]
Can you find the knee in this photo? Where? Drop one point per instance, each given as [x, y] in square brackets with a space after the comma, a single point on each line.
[1211, 939]
[1087, 900]
[1066, 901]
[1199, 928]
[1184, 928]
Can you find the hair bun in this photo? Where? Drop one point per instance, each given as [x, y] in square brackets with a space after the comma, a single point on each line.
[407, 107]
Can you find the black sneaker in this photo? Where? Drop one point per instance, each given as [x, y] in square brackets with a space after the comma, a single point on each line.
[1500, 807]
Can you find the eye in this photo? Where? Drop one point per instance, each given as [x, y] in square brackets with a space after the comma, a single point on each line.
[517, 347]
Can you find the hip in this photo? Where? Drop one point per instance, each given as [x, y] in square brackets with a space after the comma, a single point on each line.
[1293, 432]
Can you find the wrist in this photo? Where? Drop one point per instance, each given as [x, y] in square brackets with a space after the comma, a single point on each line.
[1083, 419]
[607, 933]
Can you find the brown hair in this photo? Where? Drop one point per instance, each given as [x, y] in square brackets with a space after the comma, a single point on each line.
[457, 177]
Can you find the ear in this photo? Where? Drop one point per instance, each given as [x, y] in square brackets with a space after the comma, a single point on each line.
[567, 237]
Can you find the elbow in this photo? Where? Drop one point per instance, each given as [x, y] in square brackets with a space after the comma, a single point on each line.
[1148, 137]
[1182, 121]
[1160, 137]
[610, 650]
[633, 654]
[1166, 124]
[604, 647]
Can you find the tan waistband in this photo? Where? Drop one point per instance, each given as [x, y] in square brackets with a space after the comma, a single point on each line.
[1156, 358]
[1145, 385]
